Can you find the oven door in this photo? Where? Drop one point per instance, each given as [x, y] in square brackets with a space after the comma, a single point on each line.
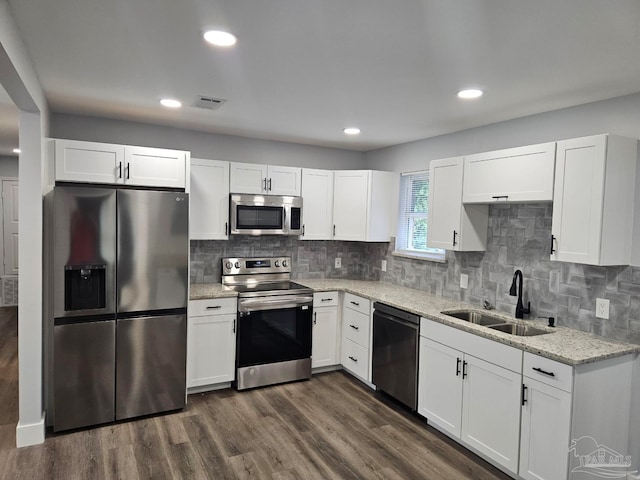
[273, 329]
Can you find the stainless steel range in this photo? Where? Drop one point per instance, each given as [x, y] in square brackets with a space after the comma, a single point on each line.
[274, 321]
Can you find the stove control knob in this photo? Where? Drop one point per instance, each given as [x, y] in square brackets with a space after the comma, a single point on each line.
[237, 265]
[284, 263]
[228, 265]
[277, 263]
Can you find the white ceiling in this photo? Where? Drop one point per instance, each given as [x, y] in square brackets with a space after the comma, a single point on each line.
[305, 69]
[8, 125]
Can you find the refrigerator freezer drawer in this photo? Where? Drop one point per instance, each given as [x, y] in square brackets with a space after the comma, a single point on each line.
[83, 377]
[151, 365]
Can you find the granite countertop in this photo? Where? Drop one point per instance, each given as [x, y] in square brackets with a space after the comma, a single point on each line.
[204, 291]
[566, 345]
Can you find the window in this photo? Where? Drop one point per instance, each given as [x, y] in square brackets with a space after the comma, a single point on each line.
[412, 218]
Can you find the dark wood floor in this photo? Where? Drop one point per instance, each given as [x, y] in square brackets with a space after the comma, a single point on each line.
[331, 427]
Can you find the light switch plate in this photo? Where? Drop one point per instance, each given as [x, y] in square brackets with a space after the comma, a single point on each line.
[602, 308]
[338, 262]
[384, 265]
[464, 280]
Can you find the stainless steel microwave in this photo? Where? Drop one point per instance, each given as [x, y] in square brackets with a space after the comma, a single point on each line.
[265, 215]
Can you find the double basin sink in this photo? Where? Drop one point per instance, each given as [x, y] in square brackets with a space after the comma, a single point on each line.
[495, 322]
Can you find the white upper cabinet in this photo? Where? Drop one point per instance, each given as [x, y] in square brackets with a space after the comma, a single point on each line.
[523, 174]
[452, 225]
[259, 179]
[90, 162]
[209, 204]
[317, 207]
[363, 205]
[593, 200]
[154, 167]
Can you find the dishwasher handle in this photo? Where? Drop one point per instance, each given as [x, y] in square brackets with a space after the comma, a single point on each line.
[383, 316]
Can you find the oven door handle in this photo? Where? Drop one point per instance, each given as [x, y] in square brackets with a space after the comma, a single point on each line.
[290, 301]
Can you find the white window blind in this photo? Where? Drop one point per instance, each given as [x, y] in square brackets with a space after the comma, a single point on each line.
[412, 218]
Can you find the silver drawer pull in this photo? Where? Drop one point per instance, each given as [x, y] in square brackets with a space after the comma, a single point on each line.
[214, 307]
[355, 327]
[354, 359]
[551, 374]
[355, 303]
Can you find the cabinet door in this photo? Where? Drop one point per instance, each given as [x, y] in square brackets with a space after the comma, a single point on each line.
[440, 386]
[324, 350]
[284, 180]
[546, 423]
[451, 225]
[491, 411]
[89, 162]
[247, 178]
[445, 203]
[154, 167]
[317, 208]
[211, 350]
[523, 174]
[209, 205]
[351, 189]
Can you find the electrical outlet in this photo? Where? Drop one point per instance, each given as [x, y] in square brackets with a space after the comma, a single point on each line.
[464, 280]
[602, 308]
[338, 262]
[384, 266]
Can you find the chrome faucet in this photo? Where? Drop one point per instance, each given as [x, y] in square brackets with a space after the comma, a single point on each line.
[520, 310]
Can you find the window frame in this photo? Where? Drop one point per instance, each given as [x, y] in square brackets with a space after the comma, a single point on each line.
[407, 217]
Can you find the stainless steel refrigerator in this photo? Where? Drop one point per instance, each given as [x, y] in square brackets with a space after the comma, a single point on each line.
[120, 302]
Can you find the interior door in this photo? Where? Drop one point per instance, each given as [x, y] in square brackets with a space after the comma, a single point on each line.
[10, 225]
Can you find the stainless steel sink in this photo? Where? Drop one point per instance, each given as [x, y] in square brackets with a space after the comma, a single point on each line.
[479, 318]
[518, 329]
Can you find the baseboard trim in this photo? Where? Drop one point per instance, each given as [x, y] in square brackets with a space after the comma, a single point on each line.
[30, 434]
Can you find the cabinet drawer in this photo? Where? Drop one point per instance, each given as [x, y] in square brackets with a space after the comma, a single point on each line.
[212, 306]
[355, 326]
[355, 358]
[325, 299]
[358, 304]
[545, 370]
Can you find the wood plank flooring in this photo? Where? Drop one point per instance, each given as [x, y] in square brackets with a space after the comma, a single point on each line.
[330, 427]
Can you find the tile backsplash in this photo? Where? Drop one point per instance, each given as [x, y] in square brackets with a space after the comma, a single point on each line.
[518, 238]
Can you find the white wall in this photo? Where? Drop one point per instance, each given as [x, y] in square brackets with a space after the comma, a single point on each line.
[8, 166]
[202, 144]
[619, 115]
[19, 79]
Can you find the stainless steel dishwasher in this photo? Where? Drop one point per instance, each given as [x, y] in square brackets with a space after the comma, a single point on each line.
[395, 353]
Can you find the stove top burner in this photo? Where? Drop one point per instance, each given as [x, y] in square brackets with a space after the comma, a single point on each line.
[266, 288]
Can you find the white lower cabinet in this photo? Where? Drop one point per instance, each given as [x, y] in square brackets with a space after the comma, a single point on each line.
[546, 423]
[356, 338]
[326, 338]
[471, 399]
[211, 342]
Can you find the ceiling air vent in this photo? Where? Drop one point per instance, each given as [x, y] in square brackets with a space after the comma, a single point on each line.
[210, 103]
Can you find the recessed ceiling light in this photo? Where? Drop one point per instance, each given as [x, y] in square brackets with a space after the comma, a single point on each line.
[351, 131]
[170, 103]
[220, 38]
[17, 150]
[471, 93]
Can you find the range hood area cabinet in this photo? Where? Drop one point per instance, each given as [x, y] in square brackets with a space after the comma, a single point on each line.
[364, 205]
[91, 162]
[317, 204]
[452, 225]
[252, 178]
[209, 212]
[593, 208]
[522, 174]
